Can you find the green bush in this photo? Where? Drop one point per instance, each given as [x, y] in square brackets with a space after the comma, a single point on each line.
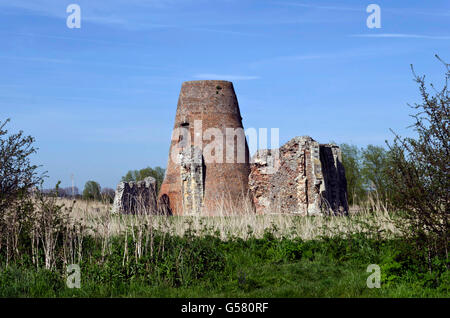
[92, 191]
[419, 170]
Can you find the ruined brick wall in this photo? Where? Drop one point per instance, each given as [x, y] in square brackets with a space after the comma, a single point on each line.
[300, 177]
[216, 105]
[136, 197]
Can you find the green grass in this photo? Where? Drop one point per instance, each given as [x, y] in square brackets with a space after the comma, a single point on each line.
[268, 267]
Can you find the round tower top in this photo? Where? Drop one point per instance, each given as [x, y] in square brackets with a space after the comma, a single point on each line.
[207, 83]
[208, 97]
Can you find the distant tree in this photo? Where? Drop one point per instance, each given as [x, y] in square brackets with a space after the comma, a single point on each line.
[420, 172]
[131, 175]
[146, 172]
[351, 160]
[160, 172]
[17, 175]
[374, 165]
[138, 175]
[60, 192]
[56, 191]
[108, 194]
[92, 191]
[68, 191]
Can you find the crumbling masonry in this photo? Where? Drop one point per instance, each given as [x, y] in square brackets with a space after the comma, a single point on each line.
[301, 177]
[136, 197]
[306, 178]
[193, 185]
[191, 173]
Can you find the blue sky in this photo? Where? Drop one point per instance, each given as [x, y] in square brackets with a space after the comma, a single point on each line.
[101, 100]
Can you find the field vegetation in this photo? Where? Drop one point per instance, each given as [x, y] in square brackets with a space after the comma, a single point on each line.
[399, 220]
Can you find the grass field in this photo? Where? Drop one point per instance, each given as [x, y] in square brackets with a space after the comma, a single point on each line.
[242, 255]
[253, 268]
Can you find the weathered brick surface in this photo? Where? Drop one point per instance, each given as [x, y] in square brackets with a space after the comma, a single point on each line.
[306, 178]
[300, 177]
[216, 105]
[136, 197]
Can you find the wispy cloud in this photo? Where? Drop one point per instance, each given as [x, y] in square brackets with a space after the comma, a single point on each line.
[123, 13]
[352, 53]
[397, 11]
[157, 14]
[36, 59]
[221, 31]
[402, 35]
[80, 62]
[70, 38]
[226, 77]
[322, 7]
[317, 56]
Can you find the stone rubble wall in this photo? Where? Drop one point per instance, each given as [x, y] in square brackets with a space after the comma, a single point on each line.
[136, 197]
[301, 177]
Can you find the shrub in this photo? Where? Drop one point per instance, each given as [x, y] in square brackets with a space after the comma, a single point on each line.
[419, 171]
[375, 162]
[92, 191]
[17, 175]
[351, 160]
[108, 195]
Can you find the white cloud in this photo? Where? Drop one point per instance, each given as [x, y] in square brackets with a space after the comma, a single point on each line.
[402, 35]
[112, 12]
[226, 77]
[36, 59]
[156, 14]
[313, 6]
[362, 8]
[353, 53]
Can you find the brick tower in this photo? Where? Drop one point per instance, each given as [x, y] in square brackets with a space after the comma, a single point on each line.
[201, 179]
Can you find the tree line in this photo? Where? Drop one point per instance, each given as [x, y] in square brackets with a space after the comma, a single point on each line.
[366, 171]
[93, 191]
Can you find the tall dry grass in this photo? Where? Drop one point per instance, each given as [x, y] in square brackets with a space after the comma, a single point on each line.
[371, 215]
[56, 228]
[43, 229]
